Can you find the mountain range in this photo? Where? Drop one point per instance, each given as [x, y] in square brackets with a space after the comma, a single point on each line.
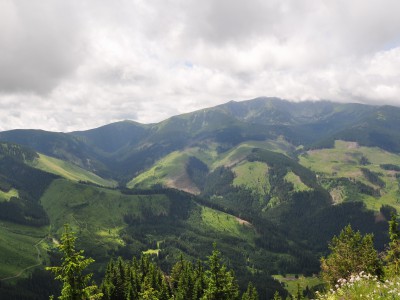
[270, 180]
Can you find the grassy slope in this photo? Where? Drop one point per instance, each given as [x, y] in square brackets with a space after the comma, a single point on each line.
[167, 169]
[227, 224]
[172, 167]
[290, 282]
[100, 212]
[6, 196]
[17, 248]
[344, 161]
[96, 213]
[69, 170]
[298, 185]
[239, 152]
[252, 175]
[234, 236]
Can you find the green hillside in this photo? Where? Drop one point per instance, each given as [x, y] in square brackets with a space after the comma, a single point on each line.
[342, 170]
[56, 144]
[242, 150]
[253, 176]
[171, 170]
[113, 137]
[69, 170]
[164, 223]
[228, 224]
[22, 248]
[7, 195]
[378, 128]
[102, 216]
[96, 213]
[295, 180]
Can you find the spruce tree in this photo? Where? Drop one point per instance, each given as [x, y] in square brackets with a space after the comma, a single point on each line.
[76, 284]
[147, 291]
[200, 283]
[182, 280]
[250, 293]
[277, 296]
[221, 284]
[350, 254]
[299, 293]
[392, 257]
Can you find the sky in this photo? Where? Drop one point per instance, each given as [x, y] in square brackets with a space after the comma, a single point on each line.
[79, 64]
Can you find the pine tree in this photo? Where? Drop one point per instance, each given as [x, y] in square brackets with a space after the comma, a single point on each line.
[108, 285]
[183, 280]
[147, 291]
[165, 293]
[200, 283]
[299, 294]
[71, 272]
[221, 284]
[392, 257]
[351, 253]
[134, 280]
[119, 280]
[250, 293]
[277, 296]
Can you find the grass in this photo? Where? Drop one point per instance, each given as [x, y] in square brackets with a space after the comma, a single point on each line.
[167, 170]
[152, 251]
[226, 224]
[344, 161]
[239, 152]
[69, 171]
[252, 175]
[171, 166]
[111, 235]
[96, 214]
[298, 185]
[6, 196]
[17, 248]
[290, 282]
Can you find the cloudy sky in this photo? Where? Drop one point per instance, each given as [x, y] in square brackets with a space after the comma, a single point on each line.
[77, 64]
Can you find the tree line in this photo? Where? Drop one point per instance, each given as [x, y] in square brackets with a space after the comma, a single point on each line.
[351, 253]
[142, 279]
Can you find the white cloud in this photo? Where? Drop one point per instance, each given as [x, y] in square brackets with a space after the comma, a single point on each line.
[40, 44]
[68, 65]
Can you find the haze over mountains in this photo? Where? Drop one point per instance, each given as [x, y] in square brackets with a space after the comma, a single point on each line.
[126, 148]
[271, 180]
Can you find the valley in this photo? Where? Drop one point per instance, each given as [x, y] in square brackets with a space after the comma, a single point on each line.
[269, 180]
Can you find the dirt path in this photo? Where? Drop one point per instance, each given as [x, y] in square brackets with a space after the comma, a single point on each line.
[39, 262]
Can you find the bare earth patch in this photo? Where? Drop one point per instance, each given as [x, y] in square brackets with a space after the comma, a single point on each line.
[337, 195]
[379, 217]
[243, 222]
[182, 182]
[352, 145]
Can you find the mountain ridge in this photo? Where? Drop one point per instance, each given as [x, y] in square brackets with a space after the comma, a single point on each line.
[117, 147]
